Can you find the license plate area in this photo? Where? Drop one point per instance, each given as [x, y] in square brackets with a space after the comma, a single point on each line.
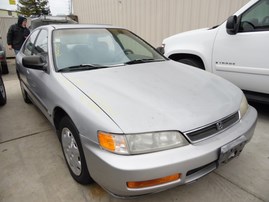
[231, 150]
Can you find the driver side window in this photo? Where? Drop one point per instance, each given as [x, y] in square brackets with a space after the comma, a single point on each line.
[256, 18]
[41, 44]
[29, 45]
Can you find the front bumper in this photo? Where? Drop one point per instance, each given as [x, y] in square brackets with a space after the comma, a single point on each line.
[113, 171]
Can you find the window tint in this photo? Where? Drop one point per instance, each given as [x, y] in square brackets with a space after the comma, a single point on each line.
[30, 43]
[256, 18]
[41, 45]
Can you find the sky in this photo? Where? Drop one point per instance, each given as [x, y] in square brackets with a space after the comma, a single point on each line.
[57, 7]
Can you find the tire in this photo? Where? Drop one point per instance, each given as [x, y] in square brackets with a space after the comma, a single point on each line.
[3, 96]
[192, 62]
[72, 150]
[25, 94]
[4, 67]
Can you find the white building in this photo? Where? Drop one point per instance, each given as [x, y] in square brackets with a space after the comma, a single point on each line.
[155, 20]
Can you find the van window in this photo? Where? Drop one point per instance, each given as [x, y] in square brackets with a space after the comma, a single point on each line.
[256, 18]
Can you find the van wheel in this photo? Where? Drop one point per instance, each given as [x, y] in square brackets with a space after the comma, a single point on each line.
[192, 62]
[73, 153]
[3, 96]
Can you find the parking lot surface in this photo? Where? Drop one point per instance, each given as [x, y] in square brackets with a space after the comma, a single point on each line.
[33, 167]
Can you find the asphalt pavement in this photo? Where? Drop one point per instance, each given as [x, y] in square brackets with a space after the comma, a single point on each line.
[32, 166]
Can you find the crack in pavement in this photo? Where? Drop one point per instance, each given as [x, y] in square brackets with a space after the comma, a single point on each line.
[242, 188]
[29, 135]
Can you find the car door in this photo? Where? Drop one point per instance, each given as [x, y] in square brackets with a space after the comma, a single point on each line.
[26, 51]
[243, 57]
[37, 80]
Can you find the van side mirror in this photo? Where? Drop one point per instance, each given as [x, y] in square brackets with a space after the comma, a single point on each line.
[160, 50]
[232, 25]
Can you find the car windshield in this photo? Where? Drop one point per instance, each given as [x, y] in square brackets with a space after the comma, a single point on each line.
[99, 48]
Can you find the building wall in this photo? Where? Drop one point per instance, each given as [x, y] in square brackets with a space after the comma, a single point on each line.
[8, 13]
[155, 20]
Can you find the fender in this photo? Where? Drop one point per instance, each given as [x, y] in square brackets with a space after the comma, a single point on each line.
[197, 43]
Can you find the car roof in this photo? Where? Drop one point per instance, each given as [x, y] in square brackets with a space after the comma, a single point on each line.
[51, 18]
[46, 20]
[76, 26]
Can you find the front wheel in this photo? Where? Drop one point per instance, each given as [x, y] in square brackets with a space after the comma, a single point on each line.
[3, 96]
[73, 153]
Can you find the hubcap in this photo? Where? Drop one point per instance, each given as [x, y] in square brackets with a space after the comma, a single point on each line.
[71, 151]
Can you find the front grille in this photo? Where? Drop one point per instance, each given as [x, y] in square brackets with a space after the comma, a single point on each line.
[207, 131]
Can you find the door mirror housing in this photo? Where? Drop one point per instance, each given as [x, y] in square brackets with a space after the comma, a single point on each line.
[232, 25]
[34, 62]
[160, 50]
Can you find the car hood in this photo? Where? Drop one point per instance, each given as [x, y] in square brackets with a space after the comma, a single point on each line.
[158, 96]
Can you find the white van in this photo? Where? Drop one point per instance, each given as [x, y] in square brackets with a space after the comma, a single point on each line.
[237, 50]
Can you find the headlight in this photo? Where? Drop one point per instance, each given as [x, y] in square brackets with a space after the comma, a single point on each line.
[142, 142]
[243, 106]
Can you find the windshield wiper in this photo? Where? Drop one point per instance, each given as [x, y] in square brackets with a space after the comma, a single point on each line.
[145, 60]
[81, 67]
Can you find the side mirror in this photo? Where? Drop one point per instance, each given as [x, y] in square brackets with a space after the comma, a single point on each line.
[160, 50]
[34, 62]
[232, 25]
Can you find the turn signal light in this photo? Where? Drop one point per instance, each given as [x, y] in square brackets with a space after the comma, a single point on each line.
[106, 141]
[149, 183]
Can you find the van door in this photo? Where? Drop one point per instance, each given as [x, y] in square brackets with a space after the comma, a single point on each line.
[243, 58]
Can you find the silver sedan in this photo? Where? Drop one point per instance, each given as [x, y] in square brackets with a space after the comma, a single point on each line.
[127, 117]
